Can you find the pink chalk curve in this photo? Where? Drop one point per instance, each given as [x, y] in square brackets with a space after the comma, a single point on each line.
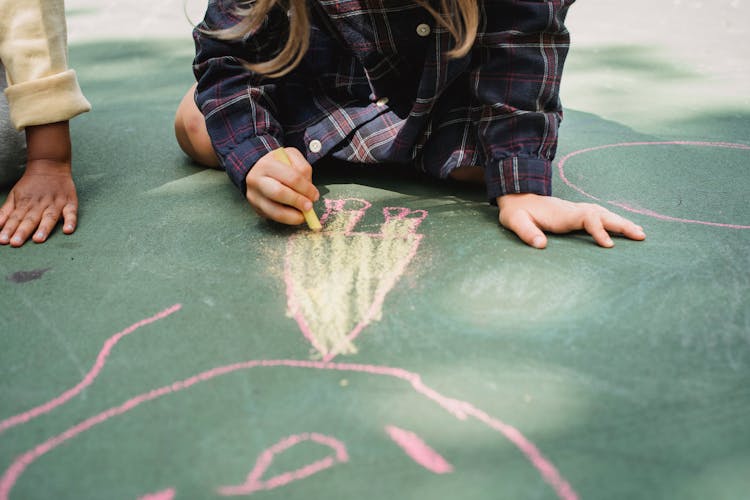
[419, 451]
[457, 408]
[254, 483]
[89, 378]
[645, 211]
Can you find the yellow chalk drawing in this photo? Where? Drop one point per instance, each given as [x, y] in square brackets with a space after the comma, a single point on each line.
[337, 279]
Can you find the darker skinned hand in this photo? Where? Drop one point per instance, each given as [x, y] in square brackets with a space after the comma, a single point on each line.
[43, 195]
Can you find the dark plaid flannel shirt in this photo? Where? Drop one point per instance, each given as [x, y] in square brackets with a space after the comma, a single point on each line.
[376, 86]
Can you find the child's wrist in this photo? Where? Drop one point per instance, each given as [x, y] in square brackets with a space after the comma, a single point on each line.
[49, 166]
[48, 143]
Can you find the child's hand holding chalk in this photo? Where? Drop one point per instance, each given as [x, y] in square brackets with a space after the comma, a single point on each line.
[280, 188]
[308, 213]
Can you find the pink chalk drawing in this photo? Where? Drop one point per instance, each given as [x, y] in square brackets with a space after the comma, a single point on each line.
[644, 211]
[337, 280]
[167, 494]
[457, 408]
[336, 284]
[254, 483]
[419, 451]
[89, 378]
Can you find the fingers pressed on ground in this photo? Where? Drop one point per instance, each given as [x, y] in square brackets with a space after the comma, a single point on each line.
[70, 218]
[621, 225]
[6, 210]
[524, 226]
[595, 227]
[27, 227]
[11, 226]
[48, 222]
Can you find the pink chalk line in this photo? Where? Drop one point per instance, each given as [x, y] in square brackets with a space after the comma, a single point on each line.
[253, 482]
[167, 494]
[88, 379]
[419, 451]
[644, 211]
[457, 408]
[334, 207]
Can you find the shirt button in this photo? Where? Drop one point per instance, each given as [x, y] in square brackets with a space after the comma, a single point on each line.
[381, 102]
[315, 146]
[423, 29]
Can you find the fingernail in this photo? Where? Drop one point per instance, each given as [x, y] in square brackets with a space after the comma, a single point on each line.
[307, 206]
[39, 235]
[4, 238]
[16, 239]
[538, 242]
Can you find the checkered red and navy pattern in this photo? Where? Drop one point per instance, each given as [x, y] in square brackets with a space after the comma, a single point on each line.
[373, 88]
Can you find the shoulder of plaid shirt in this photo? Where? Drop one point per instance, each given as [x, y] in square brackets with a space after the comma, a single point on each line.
[376, 86]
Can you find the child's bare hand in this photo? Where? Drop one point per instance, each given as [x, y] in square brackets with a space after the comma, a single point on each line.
[34, 205]
[279, 192]
[528, 215]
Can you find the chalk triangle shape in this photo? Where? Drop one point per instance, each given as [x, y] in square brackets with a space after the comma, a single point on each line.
[338, 279]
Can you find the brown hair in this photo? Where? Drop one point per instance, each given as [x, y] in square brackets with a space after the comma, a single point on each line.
[459, 17]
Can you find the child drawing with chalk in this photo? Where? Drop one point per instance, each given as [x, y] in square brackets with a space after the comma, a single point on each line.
[462, 89]
[40, 95]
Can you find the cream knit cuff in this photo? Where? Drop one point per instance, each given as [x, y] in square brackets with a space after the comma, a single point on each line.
[51, 99]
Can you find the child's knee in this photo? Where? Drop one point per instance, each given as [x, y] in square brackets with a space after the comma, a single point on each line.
[191, 133]
[193, 138]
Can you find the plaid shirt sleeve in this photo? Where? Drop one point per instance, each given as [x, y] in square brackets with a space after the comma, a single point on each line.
[237, 104]
[517, 85]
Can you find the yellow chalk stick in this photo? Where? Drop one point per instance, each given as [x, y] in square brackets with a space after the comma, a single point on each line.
[310, 217]
[312, 220]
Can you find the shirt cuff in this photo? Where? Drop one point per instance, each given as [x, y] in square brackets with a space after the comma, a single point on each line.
[516, 175]
[55, 98]
[238, 162]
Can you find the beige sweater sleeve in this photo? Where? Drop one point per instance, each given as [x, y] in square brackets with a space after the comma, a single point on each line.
[33, 49]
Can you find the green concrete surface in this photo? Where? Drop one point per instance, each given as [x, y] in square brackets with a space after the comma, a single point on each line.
[624, 371]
